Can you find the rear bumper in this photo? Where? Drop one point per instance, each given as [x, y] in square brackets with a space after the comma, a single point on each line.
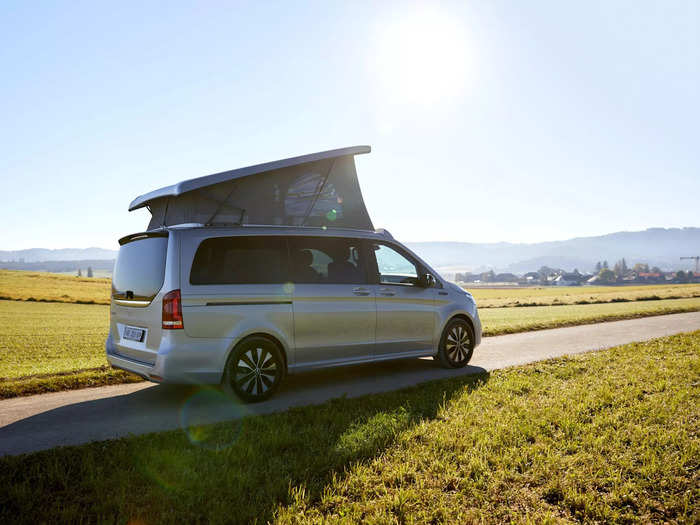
[144, 370]
[170, 367]
[134, 367]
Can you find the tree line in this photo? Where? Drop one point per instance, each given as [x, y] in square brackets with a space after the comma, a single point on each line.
[620, 270]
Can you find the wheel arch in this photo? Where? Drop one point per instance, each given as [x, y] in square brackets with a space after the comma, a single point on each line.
[274, 340]
[440, 334]
[465, 317]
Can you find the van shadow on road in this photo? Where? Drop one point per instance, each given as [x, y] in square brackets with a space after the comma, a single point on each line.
[167, 407]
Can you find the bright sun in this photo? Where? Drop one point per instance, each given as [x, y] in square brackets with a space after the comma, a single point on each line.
[420, 59]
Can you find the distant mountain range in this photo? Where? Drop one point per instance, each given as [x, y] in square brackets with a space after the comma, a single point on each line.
[63, 254]
[656, 246]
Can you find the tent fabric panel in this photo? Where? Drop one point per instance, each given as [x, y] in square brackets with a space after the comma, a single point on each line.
[321, 193]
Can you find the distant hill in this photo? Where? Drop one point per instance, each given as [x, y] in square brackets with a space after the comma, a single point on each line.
[106, 266]
[63, 254]
[656, 246]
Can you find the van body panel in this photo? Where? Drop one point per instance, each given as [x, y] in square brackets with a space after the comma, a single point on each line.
[332, 324]
[406, 319]
[218, 314]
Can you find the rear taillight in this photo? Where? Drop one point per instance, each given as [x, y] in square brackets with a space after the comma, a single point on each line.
[172, 311]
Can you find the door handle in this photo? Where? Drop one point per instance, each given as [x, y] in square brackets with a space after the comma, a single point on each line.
[360, 291]
[386, 292]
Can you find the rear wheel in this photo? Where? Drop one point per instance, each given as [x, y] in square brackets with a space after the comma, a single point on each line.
[456, 344]
[254, 370]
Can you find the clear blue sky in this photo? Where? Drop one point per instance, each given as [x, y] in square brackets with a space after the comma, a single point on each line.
[489, 120]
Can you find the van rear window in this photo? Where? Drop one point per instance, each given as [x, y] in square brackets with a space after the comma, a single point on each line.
[240, 260]
[140, 268]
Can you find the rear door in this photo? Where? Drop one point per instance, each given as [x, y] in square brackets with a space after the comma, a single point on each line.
[135, 312]
[405, 311]
[334, 307]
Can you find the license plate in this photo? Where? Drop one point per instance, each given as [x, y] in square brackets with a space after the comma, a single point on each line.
[134, 334]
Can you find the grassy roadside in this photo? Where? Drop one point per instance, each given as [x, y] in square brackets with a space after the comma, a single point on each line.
[609, 436]
[49, 347]
[499, 321]
[57, 382]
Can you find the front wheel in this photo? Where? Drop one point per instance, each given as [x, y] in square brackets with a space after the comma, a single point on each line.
[456, 344]
[254, 370]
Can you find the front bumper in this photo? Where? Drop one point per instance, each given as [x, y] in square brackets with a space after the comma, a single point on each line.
[477, 328]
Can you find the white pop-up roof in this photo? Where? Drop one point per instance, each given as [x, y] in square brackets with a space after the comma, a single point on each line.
[320, 189]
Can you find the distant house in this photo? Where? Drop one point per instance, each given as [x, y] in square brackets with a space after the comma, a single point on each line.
[648, 277]
[531, 277]
[466, 277]
[506, 278]
[568, 279]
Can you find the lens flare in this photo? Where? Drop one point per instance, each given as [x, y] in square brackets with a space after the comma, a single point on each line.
[205, 407]
[211, 420]
[163, 468]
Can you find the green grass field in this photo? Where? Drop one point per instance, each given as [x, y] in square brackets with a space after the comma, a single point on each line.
[55, 287]
[605, 437]
[46, 347]
[557, 295]
[41, 286]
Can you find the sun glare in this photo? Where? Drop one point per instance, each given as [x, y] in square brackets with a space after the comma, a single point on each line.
[420, 58]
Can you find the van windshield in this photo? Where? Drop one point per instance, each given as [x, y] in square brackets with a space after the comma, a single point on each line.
[140, 268]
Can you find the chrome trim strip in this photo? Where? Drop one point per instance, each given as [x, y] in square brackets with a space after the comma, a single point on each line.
[244, 303]
[126, 302]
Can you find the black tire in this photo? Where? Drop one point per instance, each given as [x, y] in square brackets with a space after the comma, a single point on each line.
[254, 369]
[456, 344]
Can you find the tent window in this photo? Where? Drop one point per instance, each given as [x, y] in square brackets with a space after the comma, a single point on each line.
[307, 189]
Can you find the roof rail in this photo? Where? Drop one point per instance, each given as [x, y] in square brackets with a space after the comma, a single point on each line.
[186, 225]
[384, 232]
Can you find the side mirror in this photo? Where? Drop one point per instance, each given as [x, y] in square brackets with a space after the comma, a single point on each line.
[426, 281]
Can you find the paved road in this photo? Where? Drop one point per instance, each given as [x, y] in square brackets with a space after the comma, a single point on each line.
[68, 418]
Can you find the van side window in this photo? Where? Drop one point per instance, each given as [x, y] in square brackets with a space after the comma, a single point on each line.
[393, 267]
[327, 260]
[240, 260]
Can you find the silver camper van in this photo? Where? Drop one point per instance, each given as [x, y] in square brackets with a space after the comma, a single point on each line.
[247, 275]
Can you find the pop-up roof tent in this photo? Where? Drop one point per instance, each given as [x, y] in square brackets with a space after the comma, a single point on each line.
[320, 189]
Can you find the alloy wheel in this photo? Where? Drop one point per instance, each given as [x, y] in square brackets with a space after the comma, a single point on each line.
[458, 344]
[256, 371]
